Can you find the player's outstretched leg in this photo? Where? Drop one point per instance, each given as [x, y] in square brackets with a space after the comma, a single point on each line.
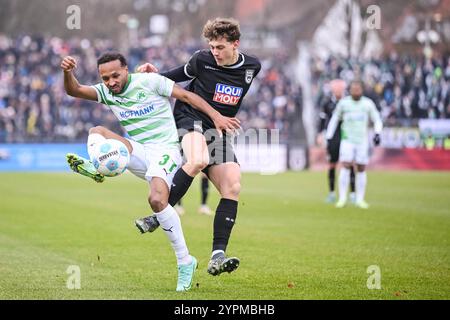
[147, 224]
[226, 177]
[84, 167]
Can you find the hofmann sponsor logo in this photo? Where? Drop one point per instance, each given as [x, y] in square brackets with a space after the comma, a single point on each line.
[137, 113]
[227, 94]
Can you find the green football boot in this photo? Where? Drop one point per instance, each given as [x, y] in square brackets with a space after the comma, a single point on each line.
[186, 275]
[84, 167]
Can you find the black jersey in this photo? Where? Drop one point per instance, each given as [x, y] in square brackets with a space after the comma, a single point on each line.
[327, 108]
[223, 87]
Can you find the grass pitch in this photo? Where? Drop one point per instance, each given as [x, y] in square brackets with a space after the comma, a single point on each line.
[292, 245]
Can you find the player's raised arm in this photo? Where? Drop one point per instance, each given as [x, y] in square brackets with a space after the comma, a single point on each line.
[71, 85]
[221, 122]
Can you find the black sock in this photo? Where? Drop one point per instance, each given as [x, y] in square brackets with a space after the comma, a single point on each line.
[223, 223]
[352, 179]
[180, 185]
[205, 187]
[331, 178]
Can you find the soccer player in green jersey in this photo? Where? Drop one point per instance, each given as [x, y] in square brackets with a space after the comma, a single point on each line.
[354, 111]
[141, 104]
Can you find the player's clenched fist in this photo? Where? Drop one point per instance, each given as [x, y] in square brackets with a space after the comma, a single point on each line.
[68, 64]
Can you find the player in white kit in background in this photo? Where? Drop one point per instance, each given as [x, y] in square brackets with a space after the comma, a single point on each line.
[354, 111]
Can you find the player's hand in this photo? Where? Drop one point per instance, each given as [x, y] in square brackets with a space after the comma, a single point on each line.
[376, 139]
[147, 68]
[68, 64]
[230, 125]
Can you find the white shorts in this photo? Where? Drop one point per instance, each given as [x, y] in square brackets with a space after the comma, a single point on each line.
[148, 161]
[350, 152]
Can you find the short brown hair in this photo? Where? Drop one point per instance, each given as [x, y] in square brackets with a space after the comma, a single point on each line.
[227, 28]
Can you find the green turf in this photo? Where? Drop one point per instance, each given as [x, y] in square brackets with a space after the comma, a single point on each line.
[292, 245]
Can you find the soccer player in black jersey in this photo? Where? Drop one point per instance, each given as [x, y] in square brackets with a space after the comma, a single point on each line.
[327, 107]
[221, 75]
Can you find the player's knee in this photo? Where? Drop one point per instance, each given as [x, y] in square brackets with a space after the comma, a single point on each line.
[232, 190]
[201, 163]
[197, 165]
[157, 202]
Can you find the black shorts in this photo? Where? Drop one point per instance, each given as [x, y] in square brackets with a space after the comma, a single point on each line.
[220, 149]
[333, 149]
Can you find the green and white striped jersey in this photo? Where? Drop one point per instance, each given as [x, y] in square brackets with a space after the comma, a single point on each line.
[355, 116]
[143, 108]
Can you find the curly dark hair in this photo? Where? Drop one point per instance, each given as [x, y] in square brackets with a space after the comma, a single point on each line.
[227, 28]
[111, 56]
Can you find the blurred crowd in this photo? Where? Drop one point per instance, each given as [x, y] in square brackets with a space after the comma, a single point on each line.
[35, 108]
[405, 89]
[33, 103]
